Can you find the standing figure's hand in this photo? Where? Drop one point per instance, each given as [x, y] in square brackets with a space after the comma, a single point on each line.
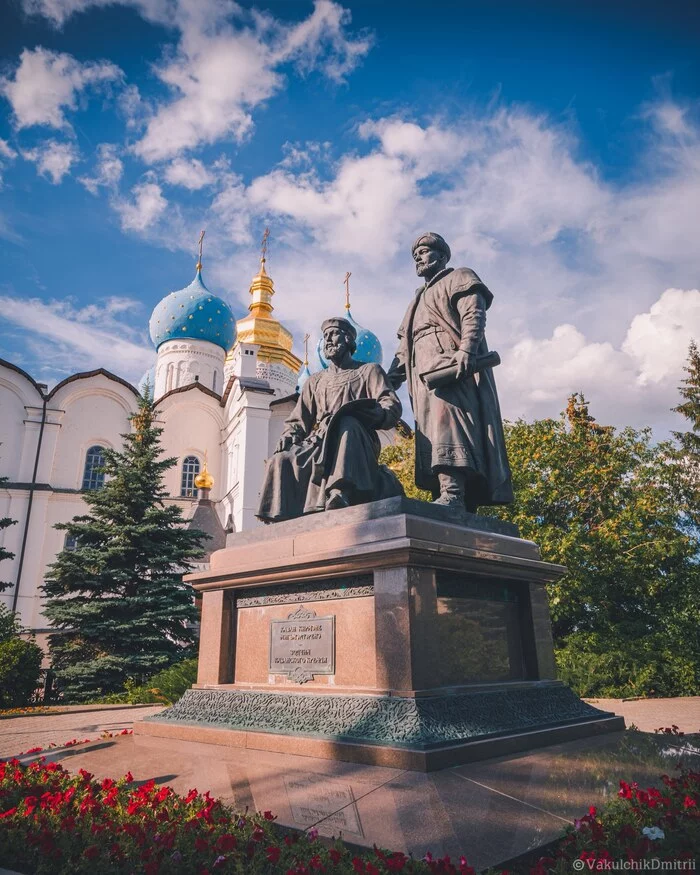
[465, 362]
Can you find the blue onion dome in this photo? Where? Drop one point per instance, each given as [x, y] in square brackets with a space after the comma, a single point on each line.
[369, 349]
[193, 313]
[303, 376]
[148, 379]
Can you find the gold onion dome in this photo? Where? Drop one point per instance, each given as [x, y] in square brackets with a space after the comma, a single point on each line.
[261, 328]
[204, 480]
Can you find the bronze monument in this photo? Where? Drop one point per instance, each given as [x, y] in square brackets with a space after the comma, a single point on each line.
[460, 448]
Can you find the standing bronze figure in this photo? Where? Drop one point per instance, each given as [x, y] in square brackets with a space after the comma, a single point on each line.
[327, 456]
[443, 356]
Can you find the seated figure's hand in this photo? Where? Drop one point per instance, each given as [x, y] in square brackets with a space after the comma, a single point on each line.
[465, 362]
[373, 417]
[287, 441]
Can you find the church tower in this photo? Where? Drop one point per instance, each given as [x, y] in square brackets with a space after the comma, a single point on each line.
[260, 331]
[192, 330]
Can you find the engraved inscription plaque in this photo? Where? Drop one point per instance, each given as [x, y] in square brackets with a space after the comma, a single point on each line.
[302, 645]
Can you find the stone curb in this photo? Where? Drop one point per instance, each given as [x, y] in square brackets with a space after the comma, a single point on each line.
[79, 709]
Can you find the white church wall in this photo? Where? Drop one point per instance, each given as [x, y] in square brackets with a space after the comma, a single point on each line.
[192, 423]
[96, 412]
[181, 362]
[17, 443]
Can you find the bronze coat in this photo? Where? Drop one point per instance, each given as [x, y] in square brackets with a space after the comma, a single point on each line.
[458, 426]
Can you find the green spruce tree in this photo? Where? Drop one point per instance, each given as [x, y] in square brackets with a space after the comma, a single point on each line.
[687, 455]
[117, 603]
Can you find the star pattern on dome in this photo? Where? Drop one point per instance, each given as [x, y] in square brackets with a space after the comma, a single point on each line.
[193, 312]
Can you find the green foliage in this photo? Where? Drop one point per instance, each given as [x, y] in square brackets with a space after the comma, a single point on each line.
[401, 458]
[118, 605]
[167, 686]
[602, 502]
[5, 522]
[20, 662]
[685, 458]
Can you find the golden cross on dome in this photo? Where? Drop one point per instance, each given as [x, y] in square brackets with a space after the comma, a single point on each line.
[347, 290]
[263, 245]
[200, 244]
[306, 348]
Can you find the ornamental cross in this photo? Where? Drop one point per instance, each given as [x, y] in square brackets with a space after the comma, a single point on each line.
[347, 290]
[306, 348]
[200, 244]
[263, 245]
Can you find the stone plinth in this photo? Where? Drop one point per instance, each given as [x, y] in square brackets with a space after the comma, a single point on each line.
[387, 633]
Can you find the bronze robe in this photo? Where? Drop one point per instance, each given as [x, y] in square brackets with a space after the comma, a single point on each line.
[338, 449]
[458, 425]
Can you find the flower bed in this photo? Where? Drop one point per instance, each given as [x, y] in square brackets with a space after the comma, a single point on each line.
[55, 822]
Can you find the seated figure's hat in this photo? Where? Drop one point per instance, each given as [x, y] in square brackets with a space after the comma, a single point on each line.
[434, 241]
[343, 324]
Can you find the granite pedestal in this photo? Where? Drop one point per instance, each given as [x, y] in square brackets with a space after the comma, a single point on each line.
[391, 634]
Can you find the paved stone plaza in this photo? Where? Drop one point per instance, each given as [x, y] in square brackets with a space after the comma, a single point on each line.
[490, 811]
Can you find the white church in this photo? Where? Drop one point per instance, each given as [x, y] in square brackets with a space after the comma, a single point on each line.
[222, 390]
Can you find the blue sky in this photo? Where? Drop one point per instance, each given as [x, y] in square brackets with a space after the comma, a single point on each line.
[555, 144]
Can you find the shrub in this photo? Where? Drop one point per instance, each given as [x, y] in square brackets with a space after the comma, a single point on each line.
[593, 666]
[20, 664]
[167, 686]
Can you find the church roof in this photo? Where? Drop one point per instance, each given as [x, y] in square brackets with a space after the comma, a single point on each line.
[260, 326]
[193, 313]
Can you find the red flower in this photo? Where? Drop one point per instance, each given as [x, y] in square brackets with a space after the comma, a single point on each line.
[92, 852]
[395, 862]
[592, 811]
[273, 853]
[268, 815]
[8, 813]
[358, 865]
[258, 834]
[335, 856]
[201, 845]
[689, 802]
[128, 777]
[191, 796]
[226, 842]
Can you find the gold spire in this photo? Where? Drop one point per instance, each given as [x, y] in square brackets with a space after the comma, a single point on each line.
[259, 326]
[262, 288]
[201, 241]
[347, 290]
[204, 480]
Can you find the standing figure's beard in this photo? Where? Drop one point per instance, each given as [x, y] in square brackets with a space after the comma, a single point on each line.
[430, 268]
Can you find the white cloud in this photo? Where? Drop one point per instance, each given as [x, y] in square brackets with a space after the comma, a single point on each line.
[109, 169]
[190, 174]
[222, 72]
[624, 384]
[81, 339]
[658, 340]
[53, 159]
[147, 206]
[6, 151]
[46, 83]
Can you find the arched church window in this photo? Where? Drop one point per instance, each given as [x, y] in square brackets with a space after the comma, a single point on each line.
[93, 475]
[169, 377]
[190, 469]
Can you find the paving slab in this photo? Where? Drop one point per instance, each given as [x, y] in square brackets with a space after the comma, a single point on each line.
[490, 811]
[21, 733]
[651, 714]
